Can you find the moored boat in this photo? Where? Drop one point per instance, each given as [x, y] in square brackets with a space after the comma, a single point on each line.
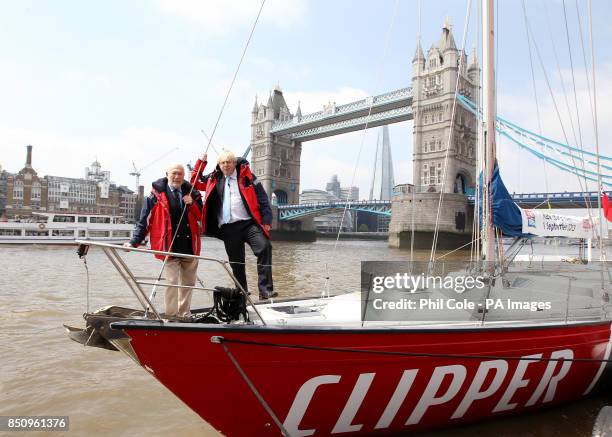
[314, 367]
[319, 366]
[65, 228]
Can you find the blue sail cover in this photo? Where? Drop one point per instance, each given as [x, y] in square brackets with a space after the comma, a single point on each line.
[506, 213]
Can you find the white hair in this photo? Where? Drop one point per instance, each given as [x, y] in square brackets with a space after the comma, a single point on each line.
[173, 166]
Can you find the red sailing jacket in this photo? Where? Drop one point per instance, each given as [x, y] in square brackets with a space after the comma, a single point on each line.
[607, 207]
[155, 220]
[253, 194]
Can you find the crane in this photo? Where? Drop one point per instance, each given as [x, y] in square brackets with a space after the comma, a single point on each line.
[138, 171]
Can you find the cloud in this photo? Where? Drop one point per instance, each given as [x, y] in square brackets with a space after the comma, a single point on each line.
[89, 79]
[313, 101]
[66, 155]
[222, 17]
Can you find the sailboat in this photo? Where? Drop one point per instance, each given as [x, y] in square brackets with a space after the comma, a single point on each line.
[317, 366]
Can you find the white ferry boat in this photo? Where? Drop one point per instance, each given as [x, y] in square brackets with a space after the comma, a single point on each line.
[65, 228]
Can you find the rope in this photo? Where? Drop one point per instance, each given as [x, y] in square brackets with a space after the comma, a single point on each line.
[459, 248]
[87, 283]
[223, 340]
[450, 134]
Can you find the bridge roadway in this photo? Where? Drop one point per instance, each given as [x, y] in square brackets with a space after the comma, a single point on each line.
[383, 207]
[391, 107]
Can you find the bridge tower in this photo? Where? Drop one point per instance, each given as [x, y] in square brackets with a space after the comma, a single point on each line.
[433, 81]
[275, 160]
[434, 76]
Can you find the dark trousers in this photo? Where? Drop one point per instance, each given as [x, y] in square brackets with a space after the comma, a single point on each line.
[234, 236]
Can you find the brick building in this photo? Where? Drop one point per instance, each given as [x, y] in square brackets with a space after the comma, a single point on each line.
[27, 193]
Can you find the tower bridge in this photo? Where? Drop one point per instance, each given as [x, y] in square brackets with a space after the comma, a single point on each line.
[387, 108]
[277, 136]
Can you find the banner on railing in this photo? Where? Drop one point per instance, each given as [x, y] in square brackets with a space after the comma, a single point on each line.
[547, 224]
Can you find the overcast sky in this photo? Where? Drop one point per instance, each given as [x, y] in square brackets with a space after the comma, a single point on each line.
[126, 82]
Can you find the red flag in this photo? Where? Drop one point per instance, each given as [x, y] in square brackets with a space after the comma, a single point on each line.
[607, 207]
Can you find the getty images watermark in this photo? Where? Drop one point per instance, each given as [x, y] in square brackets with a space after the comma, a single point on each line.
[398, 291]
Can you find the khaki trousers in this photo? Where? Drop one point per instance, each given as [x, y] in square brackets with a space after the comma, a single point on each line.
[180, 271]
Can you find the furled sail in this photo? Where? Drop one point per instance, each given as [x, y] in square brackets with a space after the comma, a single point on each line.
[516, 222]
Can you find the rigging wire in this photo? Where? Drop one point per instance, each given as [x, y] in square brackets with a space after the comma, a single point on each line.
[479, 154]
[586, 65]
[414, 181]
[535, 89]
[450, 135]
[365, 129]
[503, 126]
[571, 60]
[569, 48]
[550, 90]
[576, 141]
[601, 245]
[558, 65]
[210, 138]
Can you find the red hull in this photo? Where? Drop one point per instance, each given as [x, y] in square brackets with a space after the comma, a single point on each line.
[322, 392]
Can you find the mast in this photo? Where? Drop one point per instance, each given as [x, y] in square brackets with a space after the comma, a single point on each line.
[488, 110]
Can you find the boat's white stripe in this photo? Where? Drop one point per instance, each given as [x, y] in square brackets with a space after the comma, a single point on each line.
[602, 365]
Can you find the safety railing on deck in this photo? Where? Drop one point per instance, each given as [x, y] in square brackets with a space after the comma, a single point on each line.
[135, 283]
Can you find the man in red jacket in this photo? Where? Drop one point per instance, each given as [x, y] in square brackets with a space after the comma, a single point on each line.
[236, 210]
[171, 216]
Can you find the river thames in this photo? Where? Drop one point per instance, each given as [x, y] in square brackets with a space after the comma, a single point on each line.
[42, 372]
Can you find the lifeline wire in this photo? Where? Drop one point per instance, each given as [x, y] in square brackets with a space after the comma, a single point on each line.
[407, 354]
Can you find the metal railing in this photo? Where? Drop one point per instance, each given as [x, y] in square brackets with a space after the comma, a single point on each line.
[135, 283]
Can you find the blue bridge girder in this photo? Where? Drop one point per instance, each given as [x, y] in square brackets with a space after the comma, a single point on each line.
[383, 207]
[391, 107]
[571, 199]
[292, 212]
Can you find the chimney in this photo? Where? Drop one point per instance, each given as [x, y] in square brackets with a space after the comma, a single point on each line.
[29, 157]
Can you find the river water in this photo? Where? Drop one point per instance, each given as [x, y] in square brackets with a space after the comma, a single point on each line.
[42, 372]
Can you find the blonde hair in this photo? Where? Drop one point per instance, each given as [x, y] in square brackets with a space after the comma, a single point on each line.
[173, 166]
[226, 155]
